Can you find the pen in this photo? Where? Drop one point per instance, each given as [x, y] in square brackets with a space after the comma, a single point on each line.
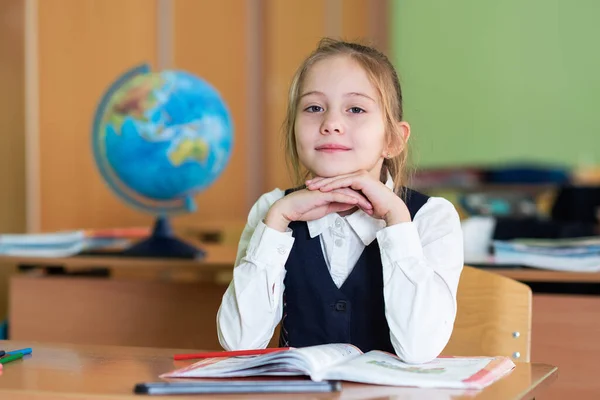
[158, 388]
[236, 353]
[10, 358]
[22, 351]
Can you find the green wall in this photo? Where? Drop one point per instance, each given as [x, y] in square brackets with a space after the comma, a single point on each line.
[493, 81]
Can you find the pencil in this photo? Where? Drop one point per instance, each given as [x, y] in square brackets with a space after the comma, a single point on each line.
[24, 351]
[10, 358]
[237, 353]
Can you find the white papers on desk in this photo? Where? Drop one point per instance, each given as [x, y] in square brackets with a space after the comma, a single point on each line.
[59, 244]
[576, 255]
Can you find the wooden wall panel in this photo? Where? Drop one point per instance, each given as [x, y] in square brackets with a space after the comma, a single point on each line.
[292, 31]
[355, 20]
[210, 41]
[12, 116]
[83, 46]
[379, 24]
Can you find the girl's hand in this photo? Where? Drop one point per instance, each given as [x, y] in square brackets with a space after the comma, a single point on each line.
[387, 205]
[307, 205]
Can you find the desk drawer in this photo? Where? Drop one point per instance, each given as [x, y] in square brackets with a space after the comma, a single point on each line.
[114, 312]
[566, 333]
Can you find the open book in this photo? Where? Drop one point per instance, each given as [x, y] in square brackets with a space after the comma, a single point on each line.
[346, 362]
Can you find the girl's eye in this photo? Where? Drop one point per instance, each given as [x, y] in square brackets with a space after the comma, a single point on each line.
[356, 110]
[313, 109]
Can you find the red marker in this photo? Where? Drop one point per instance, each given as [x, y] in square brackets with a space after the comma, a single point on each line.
[237, 353]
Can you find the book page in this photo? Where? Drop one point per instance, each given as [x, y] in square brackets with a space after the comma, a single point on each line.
[382, 368]
[327, 355]
[228, 367]
[304, 361]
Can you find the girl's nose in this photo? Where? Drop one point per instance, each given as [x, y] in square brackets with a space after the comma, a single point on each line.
[331, 126]
[329, 131]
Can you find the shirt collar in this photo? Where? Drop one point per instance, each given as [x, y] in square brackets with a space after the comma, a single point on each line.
[365, 226]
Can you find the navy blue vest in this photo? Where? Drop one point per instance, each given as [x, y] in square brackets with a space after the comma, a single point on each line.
[316, 311]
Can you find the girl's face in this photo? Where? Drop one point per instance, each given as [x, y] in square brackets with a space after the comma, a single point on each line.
[339, 122]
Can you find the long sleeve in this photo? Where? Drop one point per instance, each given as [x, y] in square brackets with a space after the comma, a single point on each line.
[252, 304]
[422, 261]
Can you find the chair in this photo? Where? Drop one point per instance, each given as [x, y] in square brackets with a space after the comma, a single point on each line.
[494, 317]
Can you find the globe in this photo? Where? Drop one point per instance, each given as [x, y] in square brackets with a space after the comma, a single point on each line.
[158, 139]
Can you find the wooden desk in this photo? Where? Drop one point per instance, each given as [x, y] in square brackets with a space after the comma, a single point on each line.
[540, 275]
[565, 327]
[83, 372]
[144, 302]
[218, 259]
[173, 303]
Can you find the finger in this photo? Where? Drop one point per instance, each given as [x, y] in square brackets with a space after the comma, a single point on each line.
[337, 197]
[318, 180]
[363, 202]
[339, 207]
[314, 180]
[317, 184]
[369, 211]
[353, 182]
[354, 202]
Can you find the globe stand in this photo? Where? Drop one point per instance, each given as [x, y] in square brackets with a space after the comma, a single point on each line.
[163, 244]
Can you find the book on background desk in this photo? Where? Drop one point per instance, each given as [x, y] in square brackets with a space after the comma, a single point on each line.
[576, 255]
[346, 362]
[67, 243]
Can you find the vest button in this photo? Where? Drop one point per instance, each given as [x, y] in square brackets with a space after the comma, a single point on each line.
[340, 305]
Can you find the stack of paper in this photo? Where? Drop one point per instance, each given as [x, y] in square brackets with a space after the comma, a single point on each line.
[578, 255]
[64, 244]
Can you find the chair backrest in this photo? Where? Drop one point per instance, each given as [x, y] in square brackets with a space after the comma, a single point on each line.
[493, 318]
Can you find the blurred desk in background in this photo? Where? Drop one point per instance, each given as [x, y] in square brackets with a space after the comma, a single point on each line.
[218, 259]
[110, 300]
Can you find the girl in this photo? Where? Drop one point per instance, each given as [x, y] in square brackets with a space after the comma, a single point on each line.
[351, 256]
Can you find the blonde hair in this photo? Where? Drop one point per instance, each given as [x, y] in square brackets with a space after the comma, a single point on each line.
[383, 77]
